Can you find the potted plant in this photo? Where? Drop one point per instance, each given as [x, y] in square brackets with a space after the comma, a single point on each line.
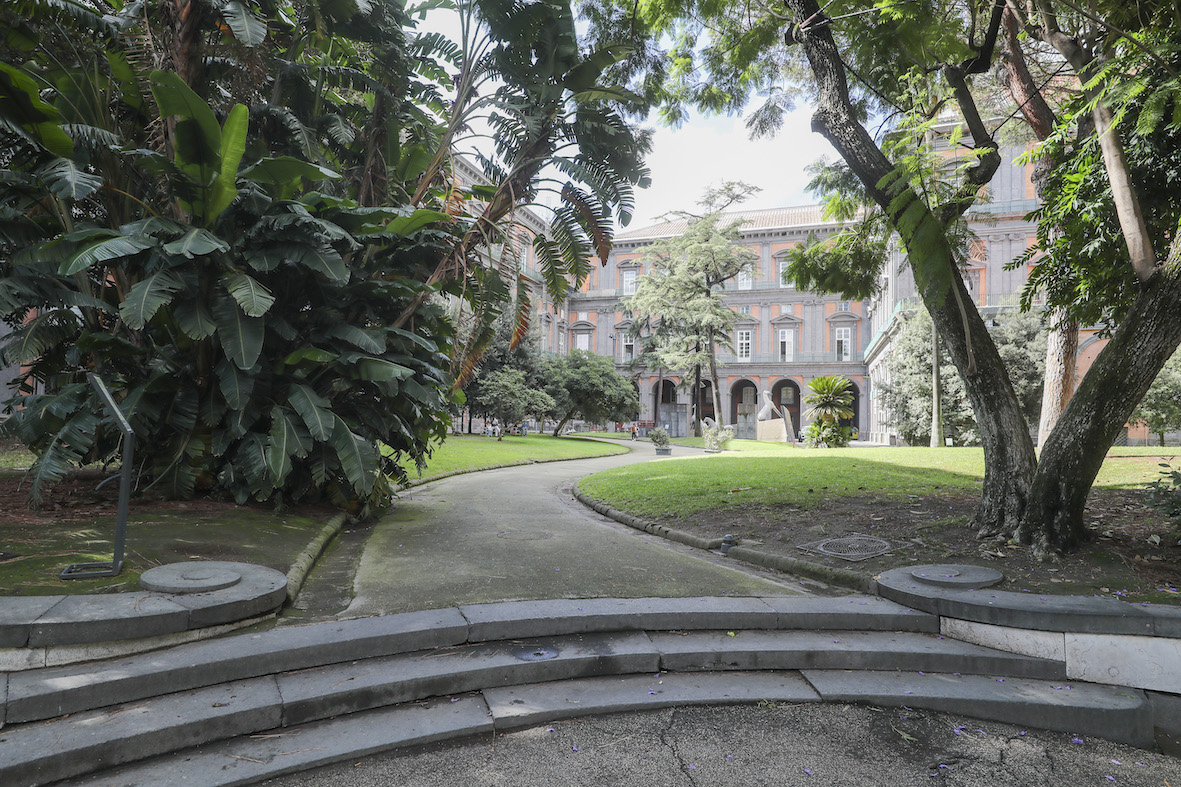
[660, 438]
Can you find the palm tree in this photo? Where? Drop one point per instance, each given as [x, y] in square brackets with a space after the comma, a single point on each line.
[831, 401]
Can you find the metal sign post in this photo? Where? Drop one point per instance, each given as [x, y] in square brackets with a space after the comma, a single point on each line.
[111, 569]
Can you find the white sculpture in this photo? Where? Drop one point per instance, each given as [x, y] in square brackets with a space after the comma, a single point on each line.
[768, 410]
[715, 437]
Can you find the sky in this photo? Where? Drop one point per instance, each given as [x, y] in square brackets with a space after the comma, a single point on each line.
[708, 150]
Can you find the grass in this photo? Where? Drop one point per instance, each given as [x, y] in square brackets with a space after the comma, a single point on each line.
[778, 474]
[470, 452]
[14, 456]
[153, 538]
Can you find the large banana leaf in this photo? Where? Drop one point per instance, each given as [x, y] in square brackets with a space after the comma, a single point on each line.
[313, 409]
[241, 336]
[358, 458]
[41, 333]
[288, 437]
[147, 296]
[247, 28]
[28, 115]
[66, 179]
[236, 385]
[233, 145]
[196, 242]
[103, 251]
[194, 319]
[254, 298]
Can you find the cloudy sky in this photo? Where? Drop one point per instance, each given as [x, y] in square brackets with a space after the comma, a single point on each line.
[708, 150]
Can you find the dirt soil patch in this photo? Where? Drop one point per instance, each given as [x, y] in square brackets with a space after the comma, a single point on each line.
[76, 523]
[1121, 560]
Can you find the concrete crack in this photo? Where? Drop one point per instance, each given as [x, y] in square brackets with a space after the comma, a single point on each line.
[668, 744]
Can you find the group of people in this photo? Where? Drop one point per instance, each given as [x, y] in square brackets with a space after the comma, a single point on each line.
[493, 428]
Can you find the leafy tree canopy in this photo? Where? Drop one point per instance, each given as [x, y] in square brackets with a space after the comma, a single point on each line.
[1160, 409]
[242, 217]
[505, 394]
[586, 385]
[1021, 342]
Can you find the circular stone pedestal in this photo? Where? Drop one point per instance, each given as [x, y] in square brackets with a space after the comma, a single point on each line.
[190, 577]
[964, 577]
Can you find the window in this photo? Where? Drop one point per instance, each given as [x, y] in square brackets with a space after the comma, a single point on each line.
[844, 343]
[782, 269]
[582, 316]
[746, 279]
[629, 282]
[787, 344]
[843, 306]
[742, 345]
[582, 341]
[629, 349]
[744, 309]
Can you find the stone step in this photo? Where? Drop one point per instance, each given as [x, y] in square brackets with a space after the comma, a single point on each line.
[855, 650]
[1084, 710]
[1113, 712]
[39, 753]
[51, 692]
[248, 760]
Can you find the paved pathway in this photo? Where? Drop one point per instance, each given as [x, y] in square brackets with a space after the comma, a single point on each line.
[517, 534]
[770, 745]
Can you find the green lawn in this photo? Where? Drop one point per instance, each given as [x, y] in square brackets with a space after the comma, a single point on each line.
[470, 452]
[780, 474]
[14, 456]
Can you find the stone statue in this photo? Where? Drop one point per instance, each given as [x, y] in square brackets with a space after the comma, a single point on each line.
[768, 410]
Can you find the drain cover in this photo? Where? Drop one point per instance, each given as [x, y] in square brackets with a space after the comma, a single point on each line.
[851, 547]
[536, 654]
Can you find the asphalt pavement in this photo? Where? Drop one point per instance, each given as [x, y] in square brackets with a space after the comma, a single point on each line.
[518, 534]
[772, 745]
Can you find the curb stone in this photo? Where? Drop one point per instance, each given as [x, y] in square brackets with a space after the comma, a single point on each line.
[829, 574]
[307, 558]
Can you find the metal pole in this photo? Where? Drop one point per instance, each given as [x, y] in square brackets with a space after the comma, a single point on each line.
[111, 569]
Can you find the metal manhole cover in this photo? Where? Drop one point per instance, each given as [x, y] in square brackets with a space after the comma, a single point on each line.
[851, 547]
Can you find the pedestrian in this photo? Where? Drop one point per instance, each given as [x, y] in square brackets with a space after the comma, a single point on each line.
[635, 432]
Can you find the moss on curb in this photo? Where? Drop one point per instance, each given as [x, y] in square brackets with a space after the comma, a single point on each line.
[307, 558]
[829, 574]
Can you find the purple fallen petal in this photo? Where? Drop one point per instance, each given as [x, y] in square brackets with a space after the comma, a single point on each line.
[1076, 740]
[573, 748]
[808, 771]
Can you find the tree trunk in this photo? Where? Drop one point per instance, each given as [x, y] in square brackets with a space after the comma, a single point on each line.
[659, 396]
[1105, 399]
[1061, 361]
[697, 398]
[936, 392]
[1009, 456]
[565, 419]
[719, 418]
